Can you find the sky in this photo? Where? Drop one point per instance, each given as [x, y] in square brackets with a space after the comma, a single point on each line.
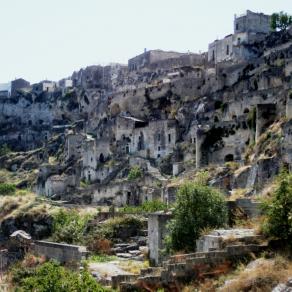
[50, 39]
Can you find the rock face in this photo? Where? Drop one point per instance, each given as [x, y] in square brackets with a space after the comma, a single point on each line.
[37, 225]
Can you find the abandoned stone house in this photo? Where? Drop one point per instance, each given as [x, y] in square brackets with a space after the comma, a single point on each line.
[150, 57]
[248, 28]
[153, 139]
[44, 86]
[73, 145]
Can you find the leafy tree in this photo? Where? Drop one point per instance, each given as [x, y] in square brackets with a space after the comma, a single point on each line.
[198, 207]
[278, 209]
[280, 21]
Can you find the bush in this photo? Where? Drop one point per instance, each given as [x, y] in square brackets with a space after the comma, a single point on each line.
[198, 207]
[7, 189]
[52, 277]
[119, 228]
[278, 209]
[135, 172]
[4, 150]
[69, 226]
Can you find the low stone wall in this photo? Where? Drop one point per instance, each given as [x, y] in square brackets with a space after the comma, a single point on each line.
[63, 253]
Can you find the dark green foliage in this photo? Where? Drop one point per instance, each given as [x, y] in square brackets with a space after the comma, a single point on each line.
[278, 209]
[146, 207]
[4, 150]
[52, 277]
[135, 172]
[69, 226]
[198, 207]
[280, 21]
[7, 189]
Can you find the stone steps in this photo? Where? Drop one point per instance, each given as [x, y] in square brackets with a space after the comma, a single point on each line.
[189, 266]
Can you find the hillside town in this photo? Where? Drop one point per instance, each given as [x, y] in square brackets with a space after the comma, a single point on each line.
[117, 147]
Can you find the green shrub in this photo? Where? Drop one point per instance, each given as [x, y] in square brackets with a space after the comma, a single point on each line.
[278, 209]
[4, 150]
[119, 227]
[7, 189]
[52, 277]
[135, 172]
[69, 226]
[198, 206]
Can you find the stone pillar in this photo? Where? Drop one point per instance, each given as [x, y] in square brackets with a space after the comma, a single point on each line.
[289, 107]
[200, 137]
[266, 115]
[156, 234]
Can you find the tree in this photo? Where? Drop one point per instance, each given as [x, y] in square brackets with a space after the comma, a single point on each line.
[198, 206]
[280, 21]
[278, 209]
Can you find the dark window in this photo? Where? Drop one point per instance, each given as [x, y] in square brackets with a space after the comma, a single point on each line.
[169, 138]
[227, 50]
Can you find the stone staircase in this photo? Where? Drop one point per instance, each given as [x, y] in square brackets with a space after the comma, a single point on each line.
[185, 268]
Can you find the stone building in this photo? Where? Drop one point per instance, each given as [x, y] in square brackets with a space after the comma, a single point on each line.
[73, 145]
[150, 57]
[4, 94]
[44, 86]
[153, 139]
[89, 159]
[18, 84]
[248, 28]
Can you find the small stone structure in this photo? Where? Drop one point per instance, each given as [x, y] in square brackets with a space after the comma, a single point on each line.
[63, 253]
[248, 28]
[217, 239]
[156, 234]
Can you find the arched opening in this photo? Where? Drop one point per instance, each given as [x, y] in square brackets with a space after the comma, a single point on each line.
[101, 158]
[229, 157]
[141, 142]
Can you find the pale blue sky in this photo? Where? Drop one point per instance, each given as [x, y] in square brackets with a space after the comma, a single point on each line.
[50, 39]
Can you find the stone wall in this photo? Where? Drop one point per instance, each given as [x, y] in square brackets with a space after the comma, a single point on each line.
[63, 253]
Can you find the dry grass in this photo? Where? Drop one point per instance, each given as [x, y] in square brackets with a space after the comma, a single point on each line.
[17, 177]
[264, 275]
[237, 194]
[133, 267]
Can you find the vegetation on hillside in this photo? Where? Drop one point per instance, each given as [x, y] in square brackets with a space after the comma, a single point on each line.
[278, 209]
[197, 207]
[52, 277]
[280, 21]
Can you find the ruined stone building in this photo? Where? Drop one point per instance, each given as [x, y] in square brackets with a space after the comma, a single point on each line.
[248, 29]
